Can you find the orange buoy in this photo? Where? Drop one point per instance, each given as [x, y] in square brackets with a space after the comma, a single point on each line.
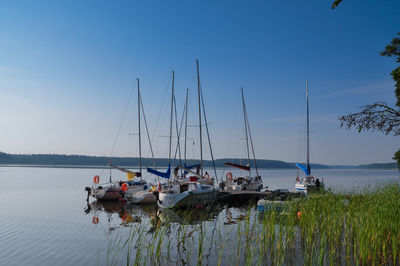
[96, 179]
[124, 187]
[299, 214]
[229, 176]
[159, 186]
[95, 220]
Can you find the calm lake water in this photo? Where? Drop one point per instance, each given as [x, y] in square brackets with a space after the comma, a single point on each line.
[45, 219]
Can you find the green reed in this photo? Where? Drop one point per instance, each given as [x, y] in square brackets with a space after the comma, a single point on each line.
[333, 228]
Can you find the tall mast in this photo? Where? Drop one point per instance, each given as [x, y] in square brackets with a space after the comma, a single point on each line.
[246, 128]
[140, 142]
[199, 95]
[172, 111]
[252, 146]
[308, 132]
[186, 118]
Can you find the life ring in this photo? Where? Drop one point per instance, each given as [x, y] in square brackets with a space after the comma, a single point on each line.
[229, 176]
[207, 176]
[96, 179]
[124, 187]
[95, 220]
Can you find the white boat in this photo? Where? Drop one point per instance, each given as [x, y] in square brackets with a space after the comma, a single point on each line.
[264, 205]
[113, 190]
[135, 189]
[187, 195]
[199, 189]
[243, 183]
[300, 187]
[142, 195]
[309, 183]
[246, 182]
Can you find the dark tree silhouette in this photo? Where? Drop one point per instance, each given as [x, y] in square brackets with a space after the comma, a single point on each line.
[378, 116]
[336, 3]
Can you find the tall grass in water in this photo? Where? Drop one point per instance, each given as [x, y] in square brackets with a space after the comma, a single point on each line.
[358, 228]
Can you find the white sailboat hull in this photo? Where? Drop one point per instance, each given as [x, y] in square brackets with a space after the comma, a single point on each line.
[300, 188]
[187, 198]
[142, 197]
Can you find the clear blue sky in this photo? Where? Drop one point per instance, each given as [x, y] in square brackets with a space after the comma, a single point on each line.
[67, 69]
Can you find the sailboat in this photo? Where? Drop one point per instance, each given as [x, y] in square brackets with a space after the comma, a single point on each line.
[115, 190]
[247, 182]
[135, 189]
[144, 194]
[309, 183]
[183, 193]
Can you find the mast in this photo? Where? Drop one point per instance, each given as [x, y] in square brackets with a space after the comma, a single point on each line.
[140, 142]
[308, 132]
[246, 128]
[186, 118]
[170, 123]
[250, 137]
[148, 135]
[199, 95]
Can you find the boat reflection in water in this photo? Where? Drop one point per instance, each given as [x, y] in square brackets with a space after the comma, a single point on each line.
[153, 228]
[127, 214]
[190, 216]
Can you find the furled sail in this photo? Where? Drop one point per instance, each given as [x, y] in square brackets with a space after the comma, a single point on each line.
[243, 167]
[304, 168]
[129, 174]
[197, 166]
[161, 174]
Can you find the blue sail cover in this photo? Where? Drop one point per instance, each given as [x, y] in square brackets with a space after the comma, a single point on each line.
[190, 167]
[304, 168]
[161, 174]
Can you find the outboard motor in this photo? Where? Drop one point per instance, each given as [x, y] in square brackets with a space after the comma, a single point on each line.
[89, 190]
[156, 193]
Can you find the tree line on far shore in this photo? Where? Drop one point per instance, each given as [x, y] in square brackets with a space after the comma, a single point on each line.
[100, 161]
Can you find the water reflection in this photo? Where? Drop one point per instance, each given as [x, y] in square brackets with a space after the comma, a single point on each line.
[119, 212]
[127, 214]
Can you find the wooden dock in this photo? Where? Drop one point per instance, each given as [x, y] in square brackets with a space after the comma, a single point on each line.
[247, 194]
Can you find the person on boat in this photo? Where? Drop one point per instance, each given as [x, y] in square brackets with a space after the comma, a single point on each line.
[317, 183]
[206, 174]
[297, 179]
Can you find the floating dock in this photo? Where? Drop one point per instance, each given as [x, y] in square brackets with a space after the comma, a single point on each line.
[247, 194]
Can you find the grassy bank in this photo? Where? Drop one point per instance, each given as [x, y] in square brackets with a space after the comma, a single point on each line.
[362, 228]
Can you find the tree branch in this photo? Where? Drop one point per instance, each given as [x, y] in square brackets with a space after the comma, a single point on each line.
[378, 116]
[336, 3]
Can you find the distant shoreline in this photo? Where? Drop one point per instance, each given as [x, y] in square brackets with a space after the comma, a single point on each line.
[164, 167]
[98, 162]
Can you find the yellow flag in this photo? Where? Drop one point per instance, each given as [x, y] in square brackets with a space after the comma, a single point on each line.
[130, 176]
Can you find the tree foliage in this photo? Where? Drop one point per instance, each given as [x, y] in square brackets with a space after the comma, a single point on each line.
[336, 3]
[393, 49]
[378, 116]
[397, 158]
